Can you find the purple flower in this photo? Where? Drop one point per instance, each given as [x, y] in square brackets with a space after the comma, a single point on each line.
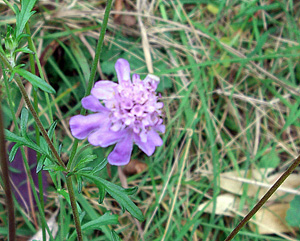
[127, 112]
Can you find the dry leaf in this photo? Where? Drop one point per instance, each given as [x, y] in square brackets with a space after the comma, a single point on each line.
[272, 219]
[234, 182]
[224, 203]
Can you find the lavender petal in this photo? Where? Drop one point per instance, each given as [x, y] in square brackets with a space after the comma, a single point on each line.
[123, 70]
[93, 104]
[103, 89]
[81, 126]
[105, 137]
[121, 154]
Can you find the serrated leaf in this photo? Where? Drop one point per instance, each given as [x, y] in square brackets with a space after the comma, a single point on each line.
[36, 81]
[119, 194]
[24, 121]
[23, 16]
[13, 152]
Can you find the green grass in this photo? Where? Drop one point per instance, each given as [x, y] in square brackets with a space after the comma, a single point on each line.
[229, 82]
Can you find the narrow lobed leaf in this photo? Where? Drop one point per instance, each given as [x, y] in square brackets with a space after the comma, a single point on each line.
[36, 81]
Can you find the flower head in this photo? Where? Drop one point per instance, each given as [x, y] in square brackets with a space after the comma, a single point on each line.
[126, 113]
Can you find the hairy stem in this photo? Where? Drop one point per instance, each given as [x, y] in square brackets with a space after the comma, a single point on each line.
[34, 114]
[262, 201]
[74, 208]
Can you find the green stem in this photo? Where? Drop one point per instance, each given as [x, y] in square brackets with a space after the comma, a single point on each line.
[27, 168]
[93, 71]
[37, 134]
[34, 114]
[263, 200]
[5, 176]
[74, 208]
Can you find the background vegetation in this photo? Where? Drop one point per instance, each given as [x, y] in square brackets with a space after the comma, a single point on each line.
[229, 82]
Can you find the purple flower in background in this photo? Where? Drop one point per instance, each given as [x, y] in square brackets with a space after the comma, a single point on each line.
[127, 112]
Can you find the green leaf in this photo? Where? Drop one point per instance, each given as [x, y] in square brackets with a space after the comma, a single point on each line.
[106, 219]
[119, 194]
[13, 152]
[54, 168]
[24, 121]
[100, 166]
[23, 141]
[23, 16]
[51, 129]
[79, 183]
[102, 193]
[40, 164]
[82, 163]
[36, 81]
[131, 191]
[270, 160]
[292, 215]
[115, 236]
[24, 50]
[67, 197]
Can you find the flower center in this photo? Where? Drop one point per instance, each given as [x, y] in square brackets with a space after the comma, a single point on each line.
[135, 106]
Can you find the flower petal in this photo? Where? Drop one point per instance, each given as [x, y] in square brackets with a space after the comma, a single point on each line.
[120, 156]
[81, 126]
[104, 89]
[104, 137]
[147, 147]
[152, 81]
[123, 70]
[160, 128]
[153, 140]
[92, 103]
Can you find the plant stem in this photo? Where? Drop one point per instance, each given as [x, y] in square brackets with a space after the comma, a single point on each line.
[5, 176]
[93, 71]
[37, 134]
[74, 208]
[34, 114]
[27, 168]
[262, 201]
